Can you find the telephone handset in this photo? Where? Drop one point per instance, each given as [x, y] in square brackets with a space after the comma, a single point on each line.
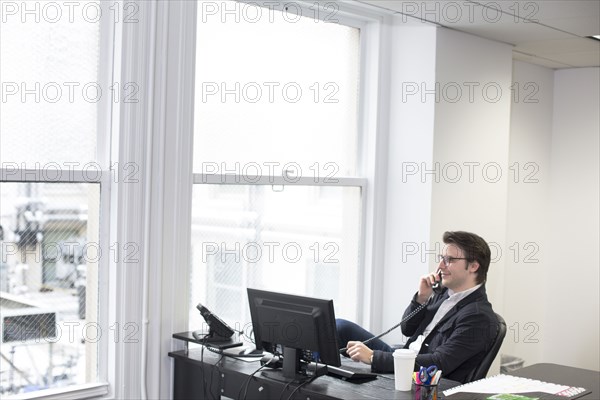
[437, 286]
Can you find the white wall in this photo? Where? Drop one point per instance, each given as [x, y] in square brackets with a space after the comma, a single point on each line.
[410, 143]
[571, 297]
[527, 252]
[554, 221]
[471, 144]
[464, 125]
[541, 216]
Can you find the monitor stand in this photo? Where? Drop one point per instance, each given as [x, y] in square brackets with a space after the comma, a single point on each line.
[293, 368]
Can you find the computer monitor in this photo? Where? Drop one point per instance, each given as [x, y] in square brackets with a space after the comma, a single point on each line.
[303, 328]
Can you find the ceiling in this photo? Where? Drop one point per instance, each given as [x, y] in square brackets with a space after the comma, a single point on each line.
[544, 32]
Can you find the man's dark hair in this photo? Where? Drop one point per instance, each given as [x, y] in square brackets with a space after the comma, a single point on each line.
[475, 249]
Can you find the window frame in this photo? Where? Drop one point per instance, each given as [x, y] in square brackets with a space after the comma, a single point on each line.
[370, 157]
[178, 177]
[104, 177]
[158, 52]
[169, 259]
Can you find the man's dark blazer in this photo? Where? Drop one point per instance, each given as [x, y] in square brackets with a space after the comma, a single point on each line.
[457, 344]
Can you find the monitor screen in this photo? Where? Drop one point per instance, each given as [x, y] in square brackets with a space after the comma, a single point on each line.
[302, 329]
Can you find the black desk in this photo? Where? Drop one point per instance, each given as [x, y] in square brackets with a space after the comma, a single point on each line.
[564, 375]
[215, 376]
[551, 373]
[205, 375]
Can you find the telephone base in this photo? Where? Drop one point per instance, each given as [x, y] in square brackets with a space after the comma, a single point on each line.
[214, 341]
[210, 337]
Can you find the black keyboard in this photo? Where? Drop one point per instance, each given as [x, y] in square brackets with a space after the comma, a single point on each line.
[349, 375]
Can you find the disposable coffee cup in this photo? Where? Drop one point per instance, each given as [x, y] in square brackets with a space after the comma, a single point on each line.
[404, 365]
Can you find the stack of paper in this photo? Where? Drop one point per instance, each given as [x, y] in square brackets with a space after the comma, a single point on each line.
[514, 384]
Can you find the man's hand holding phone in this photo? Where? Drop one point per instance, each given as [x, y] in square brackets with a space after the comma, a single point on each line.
[427, 285]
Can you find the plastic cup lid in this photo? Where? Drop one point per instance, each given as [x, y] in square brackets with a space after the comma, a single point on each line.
[405, 353]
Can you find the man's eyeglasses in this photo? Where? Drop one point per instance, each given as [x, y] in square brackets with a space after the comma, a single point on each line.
[449, 260]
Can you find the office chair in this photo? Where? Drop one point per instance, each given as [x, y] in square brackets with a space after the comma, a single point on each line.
[482, 369]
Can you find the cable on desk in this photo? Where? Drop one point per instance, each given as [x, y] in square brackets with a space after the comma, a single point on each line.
[285, 388]
[202, 369]
[222, 353]
[218, 377]
[250, 338]
[306, 382]
[287, 385]
[301, 383]
[204, 385]
[247, 383]
[214, 350]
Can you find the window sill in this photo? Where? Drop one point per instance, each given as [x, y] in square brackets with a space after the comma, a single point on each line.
[85, 391]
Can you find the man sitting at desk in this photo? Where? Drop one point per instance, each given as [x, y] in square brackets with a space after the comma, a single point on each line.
[455, 331]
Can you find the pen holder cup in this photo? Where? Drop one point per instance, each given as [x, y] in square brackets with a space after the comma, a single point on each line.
[426, 392]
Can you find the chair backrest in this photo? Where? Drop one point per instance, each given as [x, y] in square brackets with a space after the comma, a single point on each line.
[482, 369]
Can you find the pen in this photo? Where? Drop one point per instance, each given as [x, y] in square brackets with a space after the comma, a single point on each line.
[436, 377]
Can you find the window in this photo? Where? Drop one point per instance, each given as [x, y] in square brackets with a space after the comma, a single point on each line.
[52, 194]
[279, 172]
[278, 193]
[49, 284]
